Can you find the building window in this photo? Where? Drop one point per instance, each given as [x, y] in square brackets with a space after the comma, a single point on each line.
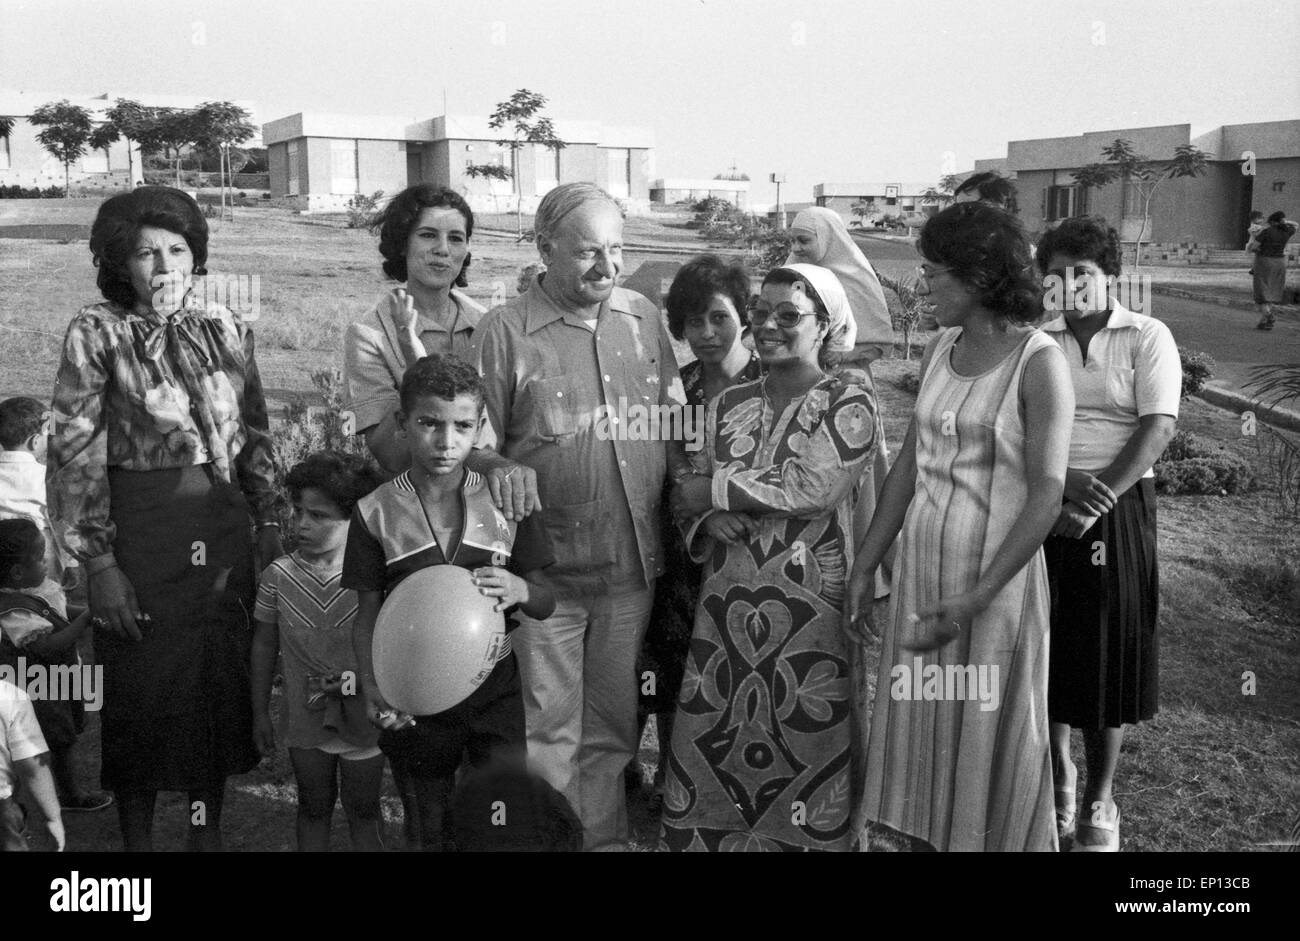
[343, 167]
[1065, 202]
[292, 151]
[1132, 200]
[548, 168]
[620, 171]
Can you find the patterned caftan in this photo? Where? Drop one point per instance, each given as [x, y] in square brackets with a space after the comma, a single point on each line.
[760, 752]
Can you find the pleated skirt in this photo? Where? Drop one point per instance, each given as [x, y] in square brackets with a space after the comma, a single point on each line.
[1105, 596]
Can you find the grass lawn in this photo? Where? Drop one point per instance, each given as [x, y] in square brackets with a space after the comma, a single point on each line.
[1215, 770]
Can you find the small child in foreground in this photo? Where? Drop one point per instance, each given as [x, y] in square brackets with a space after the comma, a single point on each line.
[35, 632]
[303, 614]
[25, 760]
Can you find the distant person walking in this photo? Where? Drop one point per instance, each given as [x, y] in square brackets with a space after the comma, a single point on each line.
[1270, 266]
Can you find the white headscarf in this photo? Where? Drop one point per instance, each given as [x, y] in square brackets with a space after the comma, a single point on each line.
[842, 328]
[837, 251]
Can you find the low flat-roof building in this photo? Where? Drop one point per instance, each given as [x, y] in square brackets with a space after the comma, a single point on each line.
[905, 198]
[320, 161]
[681, 190]
[24, 162]
[1189, 214]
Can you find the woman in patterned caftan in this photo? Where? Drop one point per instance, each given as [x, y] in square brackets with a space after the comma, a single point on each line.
[760, 757]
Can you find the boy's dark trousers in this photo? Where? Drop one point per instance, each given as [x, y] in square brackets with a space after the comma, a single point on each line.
[486, 726]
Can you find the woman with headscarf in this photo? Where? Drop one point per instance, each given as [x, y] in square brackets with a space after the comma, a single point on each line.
[819, 237]
[1270, 266]
[762, 743]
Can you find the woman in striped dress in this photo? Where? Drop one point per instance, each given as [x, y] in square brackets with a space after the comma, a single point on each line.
[958, 754]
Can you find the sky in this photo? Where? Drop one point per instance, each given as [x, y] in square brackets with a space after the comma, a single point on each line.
[828, 91]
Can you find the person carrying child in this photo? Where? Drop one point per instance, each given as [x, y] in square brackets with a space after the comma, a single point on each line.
[303, 614]
[430, 515]
[24, 759]
[24, 442]
[35, 632]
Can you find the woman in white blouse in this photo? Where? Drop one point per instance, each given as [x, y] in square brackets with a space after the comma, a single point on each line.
[1101, 556]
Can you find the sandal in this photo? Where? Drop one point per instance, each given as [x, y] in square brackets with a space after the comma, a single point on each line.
[1065, 813]
[87, 803]
[1099, 824]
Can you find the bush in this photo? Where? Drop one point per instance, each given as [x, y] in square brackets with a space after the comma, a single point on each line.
[311, 428]
[909, 382]
[1220, 475]
[1197, 368]
[35, 192]
[1196, 464]
[361, 208]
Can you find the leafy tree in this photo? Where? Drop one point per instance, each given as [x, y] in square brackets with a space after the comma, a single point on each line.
[6, 127]
[948, 184]
[862, 209]
[131, 120]
[521, 112]
[66, 133]
[1123, 162]
[221, 125]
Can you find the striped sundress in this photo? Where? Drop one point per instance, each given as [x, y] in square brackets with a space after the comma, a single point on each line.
[959, 757]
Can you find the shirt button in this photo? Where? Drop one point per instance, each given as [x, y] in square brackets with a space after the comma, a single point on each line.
[607, 377]
[559, 395]
[622, 463]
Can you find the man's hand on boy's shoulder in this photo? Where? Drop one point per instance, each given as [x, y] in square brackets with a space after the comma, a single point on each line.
[513, 486]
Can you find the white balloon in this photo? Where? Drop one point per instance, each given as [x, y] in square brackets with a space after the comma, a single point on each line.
[436, 640]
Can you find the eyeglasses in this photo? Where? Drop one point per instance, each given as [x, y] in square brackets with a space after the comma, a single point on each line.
[923, 275]
[787, 315]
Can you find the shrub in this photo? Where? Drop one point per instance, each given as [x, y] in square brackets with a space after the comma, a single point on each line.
[906, 314]
[361, 208]
[1221, 475]
[310, 428]
[35, 192]
[1196, 464]
[909, 382]
[1197, 368]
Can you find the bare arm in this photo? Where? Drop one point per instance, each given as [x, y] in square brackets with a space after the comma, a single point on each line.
[51, 645]
[39, 782]
[1142, 450]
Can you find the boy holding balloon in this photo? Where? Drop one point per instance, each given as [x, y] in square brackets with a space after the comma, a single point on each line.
[439, 516]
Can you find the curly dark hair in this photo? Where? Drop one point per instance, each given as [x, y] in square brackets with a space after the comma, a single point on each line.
[696, 283]
[393, 224]
[20, 418]
[117, 227]
[443, 376]
[18, 543]
[344, 478]
[990, 187]
[1088, 238]
[985, 248]
[827, 358]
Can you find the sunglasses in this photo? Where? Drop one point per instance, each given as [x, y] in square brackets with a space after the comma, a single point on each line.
[787, 315]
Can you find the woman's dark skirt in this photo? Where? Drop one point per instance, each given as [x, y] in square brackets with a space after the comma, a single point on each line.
[1105, 597]
[177, 714]
[1270, 279]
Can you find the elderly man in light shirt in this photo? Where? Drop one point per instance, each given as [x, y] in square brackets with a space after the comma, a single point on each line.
[561, 363]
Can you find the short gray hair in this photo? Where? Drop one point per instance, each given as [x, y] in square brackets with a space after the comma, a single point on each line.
[563, 200]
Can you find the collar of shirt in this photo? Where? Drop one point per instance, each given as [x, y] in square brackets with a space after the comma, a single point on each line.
[1120, 318]
[541, 310]
[17, 457]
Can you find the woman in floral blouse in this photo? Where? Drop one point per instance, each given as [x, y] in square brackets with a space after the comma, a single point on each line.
[159, 462]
